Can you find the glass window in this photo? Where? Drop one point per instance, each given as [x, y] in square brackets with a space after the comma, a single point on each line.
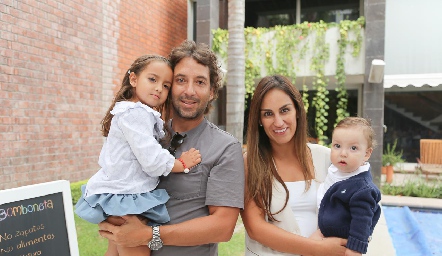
[331, 15]
[269, 13]
[329, 10]
[271, 20]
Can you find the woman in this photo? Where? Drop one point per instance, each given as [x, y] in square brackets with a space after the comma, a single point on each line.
[283, 173]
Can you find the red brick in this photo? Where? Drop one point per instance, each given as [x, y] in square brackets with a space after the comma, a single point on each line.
[61, 63]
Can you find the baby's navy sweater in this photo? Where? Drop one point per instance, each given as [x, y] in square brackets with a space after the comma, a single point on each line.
[350, 209]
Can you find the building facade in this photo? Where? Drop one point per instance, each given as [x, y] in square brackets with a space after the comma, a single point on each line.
[413, 74]
[60, 64]
[366, 98]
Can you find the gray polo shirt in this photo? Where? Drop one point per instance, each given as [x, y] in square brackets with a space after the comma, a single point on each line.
[218, 180]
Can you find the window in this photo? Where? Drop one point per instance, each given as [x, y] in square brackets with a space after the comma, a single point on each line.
[269, 13]
[191, 20]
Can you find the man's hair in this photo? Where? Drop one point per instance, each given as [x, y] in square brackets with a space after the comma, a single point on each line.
[202, 54]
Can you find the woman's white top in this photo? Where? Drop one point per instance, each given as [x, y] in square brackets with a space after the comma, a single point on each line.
[131, 159]
[287, 219]
[303, 205]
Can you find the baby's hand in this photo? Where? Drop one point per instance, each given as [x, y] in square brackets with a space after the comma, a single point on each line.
[191, 157]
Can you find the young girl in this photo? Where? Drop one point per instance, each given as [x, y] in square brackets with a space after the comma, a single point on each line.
[132, 159]
[348, 200]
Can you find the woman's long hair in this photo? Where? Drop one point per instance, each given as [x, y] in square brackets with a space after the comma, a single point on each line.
[126, 91]
[261, 170]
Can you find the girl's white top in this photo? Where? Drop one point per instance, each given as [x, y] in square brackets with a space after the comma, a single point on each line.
[131, 159]
[334, 175]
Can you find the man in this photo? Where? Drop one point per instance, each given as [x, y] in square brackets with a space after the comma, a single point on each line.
[204, 203]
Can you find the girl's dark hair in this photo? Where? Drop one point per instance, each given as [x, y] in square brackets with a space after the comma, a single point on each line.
[126, 91]
[261, 169]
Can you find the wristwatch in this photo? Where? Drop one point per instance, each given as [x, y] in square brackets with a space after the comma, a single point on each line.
[156, 243]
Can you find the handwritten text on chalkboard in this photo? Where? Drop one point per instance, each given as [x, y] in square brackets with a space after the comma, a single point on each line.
[34, 226]
[23, 210]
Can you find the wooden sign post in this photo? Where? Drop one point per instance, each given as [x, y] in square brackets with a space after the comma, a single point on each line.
[38, 220]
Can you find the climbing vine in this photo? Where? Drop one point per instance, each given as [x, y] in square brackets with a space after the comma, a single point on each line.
[253, 57]
[345, 27]
[288, 50]
[320, 100]
[220, 41]
[305, 97]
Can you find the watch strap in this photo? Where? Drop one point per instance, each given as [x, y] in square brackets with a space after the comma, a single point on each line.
[156, 243]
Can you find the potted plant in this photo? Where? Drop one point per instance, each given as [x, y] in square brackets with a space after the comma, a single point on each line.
[390, 158]
[385, 162]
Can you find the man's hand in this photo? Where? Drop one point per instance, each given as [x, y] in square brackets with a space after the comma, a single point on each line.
[131, 233]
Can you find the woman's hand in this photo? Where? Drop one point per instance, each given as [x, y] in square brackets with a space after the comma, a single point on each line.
[349, 252]
[332, 246]
[317, 235]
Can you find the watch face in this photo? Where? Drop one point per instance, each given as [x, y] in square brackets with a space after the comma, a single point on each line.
[155, 244]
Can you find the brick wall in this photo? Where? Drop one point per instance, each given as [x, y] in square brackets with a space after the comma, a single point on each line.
[60, 63]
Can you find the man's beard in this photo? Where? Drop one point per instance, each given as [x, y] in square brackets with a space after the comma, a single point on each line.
[189, 114]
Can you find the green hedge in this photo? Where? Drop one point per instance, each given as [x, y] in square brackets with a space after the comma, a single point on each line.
[414, 189]
[76, 190]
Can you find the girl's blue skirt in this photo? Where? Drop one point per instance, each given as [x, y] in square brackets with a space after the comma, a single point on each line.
[96, 208]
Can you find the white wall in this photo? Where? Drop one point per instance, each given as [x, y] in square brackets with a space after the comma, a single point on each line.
[413, 37]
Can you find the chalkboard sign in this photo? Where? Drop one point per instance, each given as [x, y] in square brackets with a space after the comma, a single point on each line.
[38, 220]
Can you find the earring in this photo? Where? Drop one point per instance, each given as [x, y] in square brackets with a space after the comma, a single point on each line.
[260, 125]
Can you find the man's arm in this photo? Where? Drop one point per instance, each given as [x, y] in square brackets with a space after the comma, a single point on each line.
[217, 227]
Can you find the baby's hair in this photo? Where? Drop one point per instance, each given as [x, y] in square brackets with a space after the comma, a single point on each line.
[363, 123]
[126, 91]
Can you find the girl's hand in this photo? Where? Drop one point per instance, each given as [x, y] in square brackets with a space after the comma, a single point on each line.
[191, 158]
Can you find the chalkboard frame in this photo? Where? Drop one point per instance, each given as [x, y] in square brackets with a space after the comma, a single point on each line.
[43, 189]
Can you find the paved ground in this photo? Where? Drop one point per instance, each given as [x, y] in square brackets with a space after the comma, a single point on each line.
[382, 243]
[407, 172]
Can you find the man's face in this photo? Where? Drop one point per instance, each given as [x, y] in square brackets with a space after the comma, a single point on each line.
[191, 90]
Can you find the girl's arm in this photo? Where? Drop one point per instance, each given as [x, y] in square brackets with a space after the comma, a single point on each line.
[187, 160]
[137, 126]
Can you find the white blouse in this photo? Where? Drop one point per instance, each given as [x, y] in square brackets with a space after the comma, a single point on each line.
[287, 219]
[303, 206]
[131, 159]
